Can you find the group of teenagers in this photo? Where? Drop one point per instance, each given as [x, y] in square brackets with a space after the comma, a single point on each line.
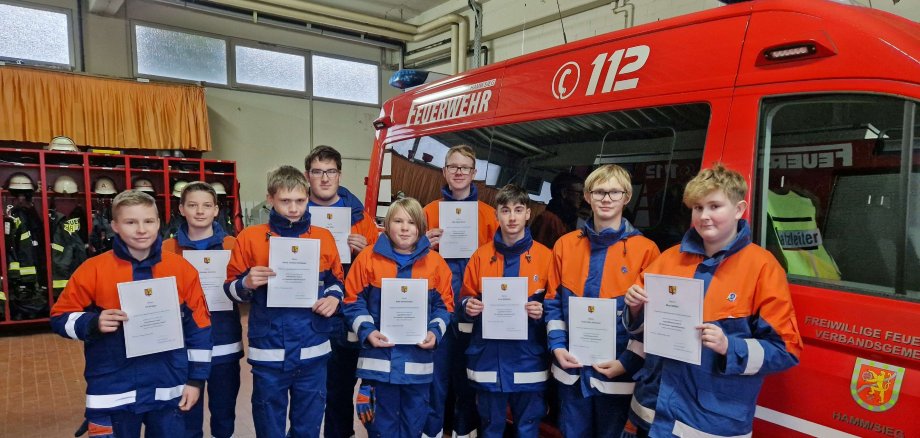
[306, 362]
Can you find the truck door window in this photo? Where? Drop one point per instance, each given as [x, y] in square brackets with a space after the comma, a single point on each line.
[838, 190]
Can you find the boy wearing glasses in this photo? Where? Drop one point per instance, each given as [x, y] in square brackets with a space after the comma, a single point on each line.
[323, 169]
[450, 362]
[602, 260]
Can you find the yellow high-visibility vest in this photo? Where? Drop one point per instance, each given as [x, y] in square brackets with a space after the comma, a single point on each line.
[796, 231]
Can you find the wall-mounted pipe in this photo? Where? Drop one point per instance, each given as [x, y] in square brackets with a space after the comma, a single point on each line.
[629, 10]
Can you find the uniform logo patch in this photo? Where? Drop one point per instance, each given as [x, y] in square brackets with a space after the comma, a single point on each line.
[732, 297]
[536, 278]
[404, 289]
[624, 269]
[875, 385]
[672, 290]
[295, 249]
[148, 291]
[590, 309]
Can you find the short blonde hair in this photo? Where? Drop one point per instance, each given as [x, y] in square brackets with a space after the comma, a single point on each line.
[286, 177]
[718, 177]
[130, 198]
[413, 209]
[462, 149]
[606, 173]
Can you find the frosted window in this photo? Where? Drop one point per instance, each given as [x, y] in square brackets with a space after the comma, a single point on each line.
[267, 68]
[34, 34]
[345, 80]
[180, 55]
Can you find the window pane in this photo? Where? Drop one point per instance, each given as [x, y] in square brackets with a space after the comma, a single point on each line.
[832, 203]
[345, 80]
[267, 68]
[34, 34]
[180, 55]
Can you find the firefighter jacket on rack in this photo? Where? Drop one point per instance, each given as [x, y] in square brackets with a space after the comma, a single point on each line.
[100, 240]
[28, 300]
[68, 250]
[792, 218]
[172, 227]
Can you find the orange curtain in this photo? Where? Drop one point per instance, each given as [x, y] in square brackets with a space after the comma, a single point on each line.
[37, 105]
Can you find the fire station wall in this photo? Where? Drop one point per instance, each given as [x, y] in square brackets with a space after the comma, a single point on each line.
[257, 130]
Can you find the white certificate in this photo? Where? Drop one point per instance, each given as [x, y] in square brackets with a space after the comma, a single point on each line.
[404, 310]
[296, 265]
[673, 311]
[592, 329]
[504, 315]
[460, 222]
[154, 320]
[212, 271]
[338, 221]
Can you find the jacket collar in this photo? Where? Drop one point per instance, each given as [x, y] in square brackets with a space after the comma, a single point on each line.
[122, 252]
[608, 236]
[517, 248]
[385, 248]
[474, 194]
[352, 201]
[216, 241]
[693, 243]
[285, 228]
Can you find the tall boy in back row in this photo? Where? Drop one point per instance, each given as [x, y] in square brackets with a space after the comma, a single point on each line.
[152, 390]
[288, 346]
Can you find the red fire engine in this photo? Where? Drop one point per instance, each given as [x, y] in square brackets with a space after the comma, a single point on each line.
[815, 102]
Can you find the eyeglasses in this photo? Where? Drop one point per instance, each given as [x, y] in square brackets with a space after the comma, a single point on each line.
[599, 195]
[319, 173]
[460, 169]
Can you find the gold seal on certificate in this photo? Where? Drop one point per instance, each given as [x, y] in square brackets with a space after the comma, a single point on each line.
[154, 320]
[296, 265]
[504, 315]
[404, 310]
[460, 222]
[592, 329]
[212, 271]
[673, 311]
[338, 221]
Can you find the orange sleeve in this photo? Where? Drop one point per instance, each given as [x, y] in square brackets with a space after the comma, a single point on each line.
[171, 245]
[239, 258]
[330, 256]
[367, 228]
[555, 270]
[443, 284]
[79, 293]
[773, 302]
[472, 277]
[431, 215]
[192, 295]
[356, 280]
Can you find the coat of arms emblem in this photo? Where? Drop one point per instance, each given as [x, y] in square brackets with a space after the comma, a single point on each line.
[875, 385]
[148, 291]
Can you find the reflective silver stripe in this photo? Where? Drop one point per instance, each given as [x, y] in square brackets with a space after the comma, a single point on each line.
[168, 393]
[472, 434]
[643, 412]
[71, 325]
[352, 337]
[225, 349]
[110, 400]
[441, 324]
[482, 376]
[233, 290]
[356, 325]
[465, 327]
[531, 377]
[539, 291]
[334, 287]
[419, 368]
[439, 435]
[799, 424]
[636, 347]
[556, 324]
[276, 355]
[370, 364]
[564, 377]
[199, 355]
[685, 431]
[612, 387]
[755, 357]
[316, 350]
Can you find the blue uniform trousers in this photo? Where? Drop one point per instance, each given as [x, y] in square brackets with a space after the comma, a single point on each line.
[306, 386]
[223, 385]
[450, 388]
[600, 416]
[340, 384]
[161, 423]
[527, 409]
[400, 410]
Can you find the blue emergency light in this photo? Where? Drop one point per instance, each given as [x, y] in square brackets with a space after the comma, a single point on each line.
[403, 79]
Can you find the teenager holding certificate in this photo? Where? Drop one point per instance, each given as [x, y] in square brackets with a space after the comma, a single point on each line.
[393, 399]
[457, 195]
[505, 368]
[288, 346]
[749, 327]
[201, 235]
[323, 168]
[123, 393]
[599, 261]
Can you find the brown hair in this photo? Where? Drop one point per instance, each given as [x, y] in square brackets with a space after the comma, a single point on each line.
[462, 149]
[197, 186]
[323, 153]
[718, 177]
[511, 194]
[286, 177]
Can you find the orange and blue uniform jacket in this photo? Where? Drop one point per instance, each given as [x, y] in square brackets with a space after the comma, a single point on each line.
[508, 365]
[283, 337]
[401, 364]
[596, 265]
[746, 294]
[226, 331]
[488, 225]
[144, 383]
